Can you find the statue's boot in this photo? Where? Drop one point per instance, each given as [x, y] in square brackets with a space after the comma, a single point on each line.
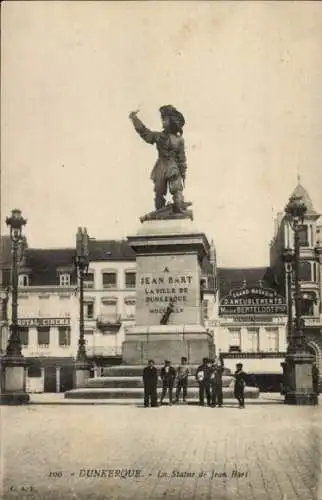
[178, 202]
[159, 202]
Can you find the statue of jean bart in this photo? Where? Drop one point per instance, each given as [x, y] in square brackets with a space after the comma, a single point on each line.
[169, 172]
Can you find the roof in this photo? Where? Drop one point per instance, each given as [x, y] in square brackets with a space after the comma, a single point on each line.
[110, 250]
[45, 263]
[232, 278]
[301, 192]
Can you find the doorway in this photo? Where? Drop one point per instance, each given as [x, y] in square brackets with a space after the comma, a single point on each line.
[50, 379]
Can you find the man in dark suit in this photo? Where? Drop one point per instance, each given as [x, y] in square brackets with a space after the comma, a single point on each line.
[150, 381]
[203, 374]
[240, 384]
[217, 369]
[168, 375]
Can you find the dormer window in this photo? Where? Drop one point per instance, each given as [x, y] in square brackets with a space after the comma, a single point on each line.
[64, 279]
[23, 280]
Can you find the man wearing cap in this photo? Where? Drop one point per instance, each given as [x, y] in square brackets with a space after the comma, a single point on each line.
[240, 384]
[169, 172]
[203, 374]
[150, 381]
[217, 369]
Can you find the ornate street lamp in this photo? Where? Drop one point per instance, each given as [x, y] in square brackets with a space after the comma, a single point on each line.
[81, 265]
[13, 373]
[299, 363]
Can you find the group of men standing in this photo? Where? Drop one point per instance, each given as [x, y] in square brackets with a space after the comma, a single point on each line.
[209, 378]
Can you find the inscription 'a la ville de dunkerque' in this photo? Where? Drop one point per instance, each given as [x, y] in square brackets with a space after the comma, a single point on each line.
[165, 289]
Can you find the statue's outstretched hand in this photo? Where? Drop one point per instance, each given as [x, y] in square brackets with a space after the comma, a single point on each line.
[133, 114]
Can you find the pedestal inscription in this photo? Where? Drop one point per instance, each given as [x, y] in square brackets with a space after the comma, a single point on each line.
[168, 279]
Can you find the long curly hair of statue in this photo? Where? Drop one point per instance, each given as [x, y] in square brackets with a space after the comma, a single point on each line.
[176, 118]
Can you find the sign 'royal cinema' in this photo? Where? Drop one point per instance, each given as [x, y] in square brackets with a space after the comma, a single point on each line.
[254, 301]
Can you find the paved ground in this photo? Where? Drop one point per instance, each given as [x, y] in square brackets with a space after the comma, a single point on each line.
[48, 451]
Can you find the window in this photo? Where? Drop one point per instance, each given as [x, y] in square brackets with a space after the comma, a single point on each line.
[89, 280]
[89, 310]
[130, 307]
[205, 309]
[234, 339]
[34, 371]
[303, 236]
[307, 304]
[272, 339]
[109, 280]
[64, 279]
[44, 306]
[23, 280]
[305, 271]
[130, 279]
[315, 272]
[24, 336]
[64, 336]
[43, 335]
[253, 339]
[109, 309]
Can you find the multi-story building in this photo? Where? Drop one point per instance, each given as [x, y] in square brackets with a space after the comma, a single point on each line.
[109, 298]
[251, 323]
[251, 313]
[310, 272]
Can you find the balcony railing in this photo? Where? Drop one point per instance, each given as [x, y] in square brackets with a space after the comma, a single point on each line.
[109, 322]
[311, 321]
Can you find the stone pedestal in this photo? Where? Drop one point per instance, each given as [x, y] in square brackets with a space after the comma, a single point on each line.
[299, 379]
[82, 374]
[167, 342]
[13, 381]
[169, 254]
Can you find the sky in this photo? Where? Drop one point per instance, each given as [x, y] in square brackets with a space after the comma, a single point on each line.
[246, 75]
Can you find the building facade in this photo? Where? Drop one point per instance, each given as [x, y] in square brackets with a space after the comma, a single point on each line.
[310, 270]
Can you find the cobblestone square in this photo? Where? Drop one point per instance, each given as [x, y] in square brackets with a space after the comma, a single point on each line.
[105, 452]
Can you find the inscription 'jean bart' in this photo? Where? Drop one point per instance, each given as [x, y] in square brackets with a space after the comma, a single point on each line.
[169, 172]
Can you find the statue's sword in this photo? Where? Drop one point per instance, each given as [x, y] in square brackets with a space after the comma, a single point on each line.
[165, 317]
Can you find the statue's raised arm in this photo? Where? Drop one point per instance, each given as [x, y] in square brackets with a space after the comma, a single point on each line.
[169, 172]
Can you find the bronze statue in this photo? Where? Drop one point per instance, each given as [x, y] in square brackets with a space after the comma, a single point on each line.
[169, 172]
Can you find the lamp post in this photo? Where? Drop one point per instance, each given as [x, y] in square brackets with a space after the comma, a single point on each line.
[288, 259]
[81, 265]
[299, 363]
[13, 372]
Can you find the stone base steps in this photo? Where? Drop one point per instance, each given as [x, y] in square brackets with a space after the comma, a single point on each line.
[137, 370]
[138, 393]
[137, 382]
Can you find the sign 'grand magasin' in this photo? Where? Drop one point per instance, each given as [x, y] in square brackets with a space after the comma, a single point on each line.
[252, 301]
